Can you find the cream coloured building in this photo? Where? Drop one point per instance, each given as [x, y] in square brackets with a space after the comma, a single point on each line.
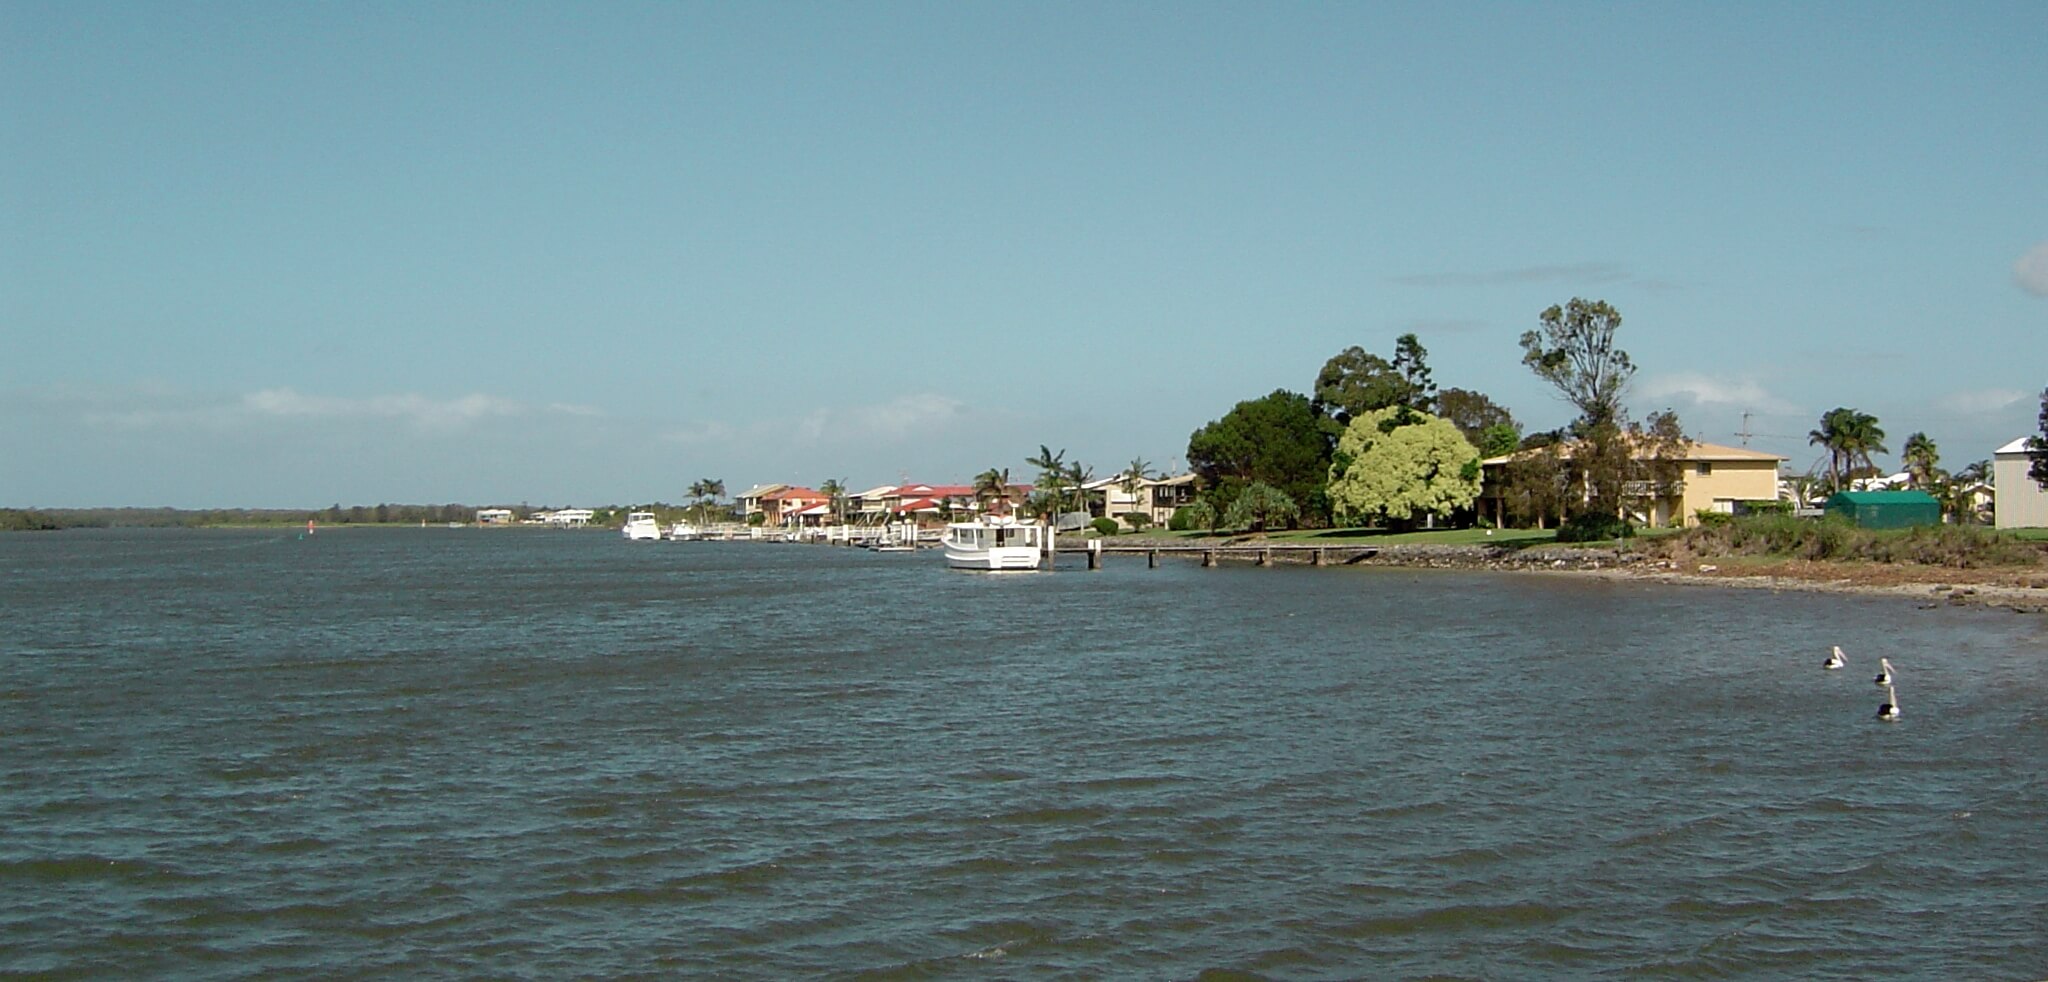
[1711, 478]
[2020, 503]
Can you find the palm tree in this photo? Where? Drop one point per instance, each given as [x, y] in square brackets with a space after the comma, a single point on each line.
[1829, 436]
[708, 490]
[1078, 475]
[1849, 437]
[1961, 499]
[1134, 478]
[993, 485]
[697, 497]
[1920, 458]
[834, 490]
[1865, 438]
[1052, 473]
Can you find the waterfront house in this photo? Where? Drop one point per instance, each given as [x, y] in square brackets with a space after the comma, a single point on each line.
[1702, 477]
[750, 502]
[1166, 495]
[566, 518]
[1154, 497]
[2020, 504]
[494, 516]
[787, 505]
[870, 507]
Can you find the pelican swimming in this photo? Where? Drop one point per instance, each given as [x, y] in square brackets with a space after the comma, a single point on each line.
[1889, 711]
[1884, 672]
[1834, 660]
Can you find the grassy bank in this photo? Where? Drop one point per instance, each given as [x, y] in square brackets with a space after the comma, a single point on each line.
[1783, 537]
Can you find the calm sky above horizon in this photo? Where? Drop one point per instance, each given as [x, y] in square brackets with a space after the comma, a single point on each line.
[288, 255]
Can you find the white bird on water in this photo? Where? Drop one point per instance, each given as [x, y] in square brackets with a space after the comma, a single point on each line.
[1889, 711]
[1834, 660]
[1884, 672]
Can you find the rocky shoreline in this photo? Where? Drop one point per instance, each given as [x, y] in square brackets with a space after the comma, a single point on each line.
[2023, 590]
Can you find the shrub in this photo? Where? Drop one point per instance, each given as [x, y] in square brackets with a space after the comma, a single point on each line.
[1595, 527]
[1137, 519]
[1709, 517]
[1187, 518]
[1955, 547]
[1104, 526]
[1261, 506]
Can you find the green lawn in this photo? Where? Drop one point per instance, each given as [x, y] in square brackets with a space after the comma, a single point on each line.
[1373, 536]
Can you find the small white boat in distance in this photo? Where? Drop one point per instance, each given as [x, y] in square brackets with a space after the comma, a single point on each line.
[993, 543]
[641, 525]
[683, 532]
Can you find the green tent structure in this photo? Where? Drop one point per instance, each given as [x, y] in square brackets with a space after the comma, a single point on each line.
[1886, 509]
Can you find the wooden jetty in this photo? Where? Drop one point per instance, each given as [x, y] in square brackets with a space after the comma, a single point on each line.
[1211, 554]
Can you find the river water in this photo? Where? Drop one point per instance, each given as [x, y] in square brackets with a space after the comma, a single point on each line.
[523, 754]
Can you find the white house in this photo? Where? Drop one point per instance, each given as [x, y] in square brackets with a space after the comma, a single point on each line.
[2021, 504]
[494, 516]
[566, 518]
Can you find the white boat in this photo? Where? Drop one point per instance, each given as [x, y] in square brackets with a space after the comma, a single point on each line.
[641, 525]
[995, 542]
[895, 538]
[684, 532]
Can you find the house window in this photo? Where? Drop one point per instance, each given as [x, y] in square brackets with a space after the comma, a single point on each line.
[1705, 468]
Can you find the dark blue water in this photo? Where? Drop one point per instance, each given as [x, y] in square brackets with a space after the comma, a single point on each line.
[528, 754]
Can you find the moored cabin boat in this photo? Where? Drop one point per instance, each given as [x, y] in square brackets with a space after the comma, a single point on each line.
[641, 525]
[994, 543]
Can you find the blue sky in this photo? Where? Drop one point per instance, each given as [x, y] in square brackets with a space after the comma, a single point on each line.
[297, 254]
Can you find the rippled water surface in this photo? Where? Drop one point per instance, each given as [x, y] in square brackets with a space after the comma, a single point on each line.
[533, 754]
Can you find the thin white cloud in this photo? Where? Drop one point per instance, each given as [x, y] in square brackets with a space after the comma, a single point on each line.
[145, 408]
[899, 418]
[2031, 271]
[419, 410]
[1981, 401]
[695, 434]
[1587, 273]
[905, 415]
[1426, 326]
[1706, 391]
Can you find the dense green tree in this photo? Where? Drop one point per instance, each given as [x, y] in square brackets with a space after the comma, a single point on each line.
[1193, 516]
[1357, 381]
[1276, 440]
[1260, 506]
[1498, 440]
[1395, 465]
[1475, 415]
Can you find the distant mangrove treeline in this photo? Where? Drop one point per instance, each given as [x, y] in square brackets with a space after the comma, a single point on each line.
[38, 519]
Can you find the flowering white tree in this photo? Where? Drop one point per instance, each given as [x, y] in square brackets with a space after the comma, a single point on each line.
[1398, 465]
